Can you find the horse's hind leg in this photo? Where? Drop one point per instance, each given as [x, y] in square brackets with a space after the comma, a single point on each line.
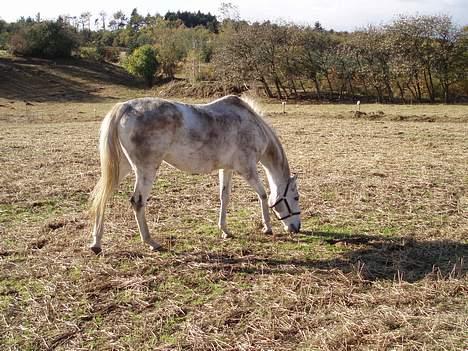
[124, 170]
[144, 182]
[225, 177]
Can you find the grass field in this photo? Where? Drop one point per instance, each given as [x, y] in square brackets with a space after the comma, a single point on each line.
[380, 263]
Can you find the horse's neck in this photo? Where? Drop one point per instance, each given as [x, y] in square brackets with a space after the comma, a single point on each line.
[276, 166]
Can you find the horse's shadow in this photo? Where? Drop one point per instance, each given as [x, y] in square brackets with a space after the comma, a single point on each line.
[373, 257]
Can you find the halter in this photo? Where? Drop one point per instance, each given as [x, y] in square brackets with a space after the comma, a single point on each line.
[283, 198]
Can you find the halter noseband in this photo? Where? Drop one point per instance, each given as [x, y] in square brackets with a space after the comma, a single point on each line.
[283, 198]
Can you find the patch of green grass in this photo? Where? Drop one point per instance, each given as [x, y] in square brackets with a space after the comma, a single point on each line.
[330, 195]
[35, 211]
[15, 291]
[124, 296]
[308, 246]
[75, 273]
[21, 287]
[6, 300]
[124, 190]
[78, 199]
[138, 336]
[11, 341]
[389, 230]
[170, 330]
[296, 247]
[332, 229]
[163, 183]
[192, 290]
[370, 227]
[168, 339]
[210, 291]
[208, 229]
[98, 320]
[38, 210]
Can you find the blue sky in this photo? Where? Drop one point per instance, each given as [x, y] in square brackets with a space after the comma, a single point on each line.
[336, 14]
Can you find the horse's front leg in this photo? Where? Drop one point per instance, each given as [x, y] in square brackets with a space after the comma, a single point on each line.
[225, 181]
[254, 181]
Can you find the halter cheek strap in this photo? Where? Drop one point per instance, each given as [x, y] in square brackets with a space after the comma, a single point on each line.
[283, 198]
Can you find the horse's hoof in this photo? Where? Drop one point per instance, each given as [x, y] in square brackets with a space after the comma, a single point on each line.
[268, 231]
[157, 248]
[96, 250]
[226, 235]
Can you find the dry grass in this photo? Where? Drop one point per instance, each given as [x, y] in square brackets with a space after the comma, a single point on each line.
[380, 265]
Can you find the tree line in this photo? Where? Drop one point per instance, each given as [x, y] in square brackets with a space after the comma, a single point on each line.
[412, 59]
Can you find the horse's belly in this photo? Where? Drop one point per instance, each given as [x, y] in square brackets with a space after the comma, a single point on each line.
[196, 162]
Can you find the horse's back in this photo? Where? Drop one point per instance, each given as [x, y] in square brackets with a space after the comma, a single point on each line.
[195, 138]
[149, 125]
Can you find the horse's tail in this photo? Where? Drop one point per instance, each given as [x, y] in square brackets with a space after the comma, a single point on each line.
[110, 152]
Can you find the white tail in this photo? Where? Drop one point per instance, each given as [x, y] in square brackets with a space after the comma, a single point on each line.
[110, 152]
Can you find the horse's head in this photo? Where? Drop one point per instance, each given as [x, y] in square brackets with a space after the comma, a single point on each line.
[286, 206]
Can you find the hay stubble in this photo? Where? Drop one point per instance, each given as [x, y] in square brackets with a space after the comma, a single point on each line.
[380, 264]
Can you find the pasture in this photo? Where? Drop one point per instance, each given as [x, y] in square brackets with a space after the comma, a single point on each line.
[380, 263]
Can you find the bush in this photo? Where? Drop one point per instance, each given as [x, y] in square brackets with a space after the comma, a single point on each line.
[89, 53]
[143, 63]
[100, 53]
[46, 39]
[4, 35]
[108, 53]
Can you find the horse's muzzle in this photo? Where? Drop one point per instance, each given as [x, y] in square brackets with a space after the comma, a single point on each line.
[293, 228]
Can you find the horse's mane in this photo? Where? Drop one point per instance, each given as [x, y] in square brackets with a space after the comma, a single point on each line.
[274, 144]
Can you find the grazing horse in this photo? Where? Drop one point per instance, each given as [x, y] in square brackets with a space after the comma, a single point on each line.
[226, 135]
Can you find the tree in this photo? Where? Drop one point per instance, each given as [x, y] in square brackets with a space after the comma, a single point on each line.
[119, 20]
[4, 34]
[229, 12]
[318, 27]
[174, 43]
[136, 21]
[369, 56]
[413, 38]
[45, 39]
[315, 45]
[103, 16]
[192, 19]
[143, 63]
[85, 20]
[451, 54]
[238, 58]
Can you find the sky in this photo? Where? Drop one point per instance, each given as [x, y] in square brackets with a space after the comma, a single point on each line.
[332, 14]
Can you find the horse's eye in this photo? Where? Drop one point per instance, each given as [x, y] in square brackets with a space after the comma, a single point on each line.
[296, 198]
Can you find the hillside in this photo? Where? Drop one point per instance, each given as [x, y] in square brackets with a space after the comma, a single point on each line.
[38, 80]
[38, 90]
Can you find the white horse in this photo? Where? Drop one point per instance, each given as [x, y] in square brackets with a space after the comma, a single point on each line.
[226, 135]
